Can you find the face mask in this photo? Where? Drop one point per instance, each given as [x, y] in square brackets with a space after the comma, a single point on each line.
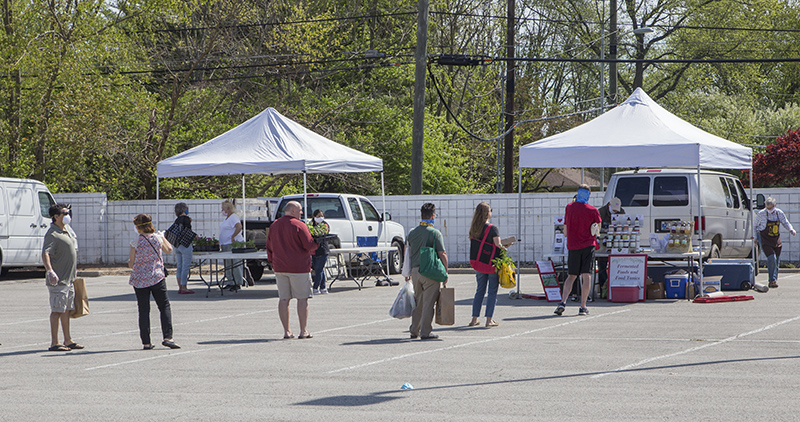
[429, 220]
[319, 219]
[771, 211]
[66, 220]
[583, 196]
[186, 212]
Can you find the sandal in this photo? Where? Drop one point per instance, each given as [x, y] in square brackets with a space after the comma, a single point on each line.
[305, 336]
[74, 346]
[149, 347]
[171, 344]
[472, 324]
[492, 323]
[58, 348]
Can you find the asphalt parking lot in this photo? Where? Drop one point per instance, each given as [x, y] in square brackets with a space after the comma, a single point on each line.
[654, 360]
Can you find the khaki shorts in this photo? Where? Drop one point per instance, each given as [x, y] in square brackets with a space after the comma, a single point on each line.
[62, 297]
[293, 285]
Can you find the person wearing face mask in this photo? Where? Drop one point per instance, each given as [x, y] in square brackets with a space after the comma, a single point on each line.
[767, 225]
[230, 230]
[60, 260]
[581, 243]
[319, 227]
[426, 291]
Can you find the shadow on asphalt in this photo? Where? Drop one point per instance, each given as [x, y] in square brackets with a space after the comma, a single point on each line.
[347, 401]
[48, 354]
[378, 342]
[238, 341]
[591, 374]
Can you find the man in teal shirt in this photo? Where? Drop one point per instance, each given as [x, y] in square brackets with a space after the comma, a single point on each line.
[426, 291]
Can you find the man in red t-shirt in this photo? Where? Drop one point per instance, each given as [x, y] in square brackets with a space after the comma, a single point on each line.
[289, 249]
[581, 243]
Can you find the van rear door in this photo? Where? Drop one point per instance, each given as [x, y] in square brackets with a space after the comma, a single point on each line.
[671, 201]
[3, 221]
[27, 224]
[634, 194]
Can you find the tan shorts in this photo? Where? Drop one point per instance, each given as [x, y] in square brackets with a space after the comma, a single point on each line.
[293, 285]
[62, 297]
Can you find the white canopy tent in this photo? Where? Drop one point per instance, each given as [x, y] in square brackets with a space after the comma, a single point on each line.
[636, 133]
[268, 143]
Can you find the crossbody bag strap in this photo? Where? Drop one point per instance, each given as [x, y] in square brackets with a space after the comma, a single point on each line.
[486, 233]
[154, 249]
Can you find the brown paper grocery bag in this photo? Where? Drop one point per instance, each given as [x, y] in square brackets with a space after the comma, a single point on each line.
[81, 299]
[446, 306]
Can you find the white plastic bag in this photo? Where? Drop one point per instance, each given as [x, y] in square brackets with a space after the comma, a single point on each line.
[406, 272]
[404, 304]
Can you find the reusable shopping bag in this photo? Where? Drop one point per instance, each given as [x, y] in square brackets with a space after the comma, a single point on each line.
[429, 264]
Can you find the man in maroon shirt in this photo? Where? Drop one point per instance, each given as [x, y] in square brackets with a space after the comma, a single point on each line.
[289, 250]
[581, 243]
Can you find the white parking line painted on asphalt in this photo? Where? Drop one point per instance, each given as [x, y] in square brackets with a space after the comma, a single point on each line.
[213, 348]
[694, 349]
[357, 325]
[472, 343]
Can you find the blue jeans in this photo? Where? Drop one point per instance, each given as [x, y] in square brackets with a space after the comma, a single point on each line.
[491, 281]
[183, 258]
[318, 264]
[773, 262]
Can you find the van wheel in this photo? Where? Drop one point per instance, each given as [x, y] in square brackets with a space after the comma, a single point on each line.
[396, 258]
[714, 251]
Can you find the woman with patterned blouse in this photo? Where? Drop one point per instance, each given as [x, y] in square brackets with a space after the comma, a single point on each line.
[147, 277]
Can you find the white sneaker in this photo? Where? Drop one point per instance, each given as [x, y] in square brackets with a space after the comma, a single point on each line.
[316, 291]
[324, 291]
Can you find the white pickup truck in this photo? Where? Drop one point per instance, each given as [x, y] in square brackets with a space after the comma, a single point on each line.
[356, 221]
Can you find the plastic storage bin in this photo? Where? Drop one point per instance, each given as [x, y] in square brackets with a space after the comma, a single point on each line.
[675, 285]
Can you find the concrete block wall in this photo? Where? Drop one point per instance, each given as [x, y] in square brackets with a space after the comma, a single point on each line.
[105, 228]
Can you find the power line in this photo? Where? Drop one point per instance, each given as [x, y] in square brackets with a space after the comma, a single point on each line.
[661, 26]
[502, 135]
[264, 24]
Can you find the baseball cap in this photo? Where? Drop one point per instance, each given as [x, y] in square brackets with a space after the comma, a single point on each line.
[615, 204]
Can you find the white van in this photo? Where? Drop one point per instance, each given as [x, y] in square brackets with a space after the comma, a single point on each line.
[666, 195]
[24, 220]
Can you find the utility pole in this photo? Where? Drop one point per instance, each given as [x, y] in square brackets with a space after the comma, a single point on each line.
[418, 130]
[612, 52]
[508, 158]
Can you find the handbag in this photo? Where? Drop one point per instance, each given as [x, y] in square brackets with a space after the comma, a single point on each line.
[179, 235]
[430, 265]
[172, 234]
[481, 254]
[81, 299]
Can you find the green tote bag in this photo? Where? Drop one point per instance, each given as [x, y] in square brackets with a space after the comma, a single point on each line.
[430, 265]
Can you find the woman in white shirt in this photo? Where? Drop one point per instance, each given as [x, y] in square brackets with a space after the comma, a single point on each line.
[230, 230]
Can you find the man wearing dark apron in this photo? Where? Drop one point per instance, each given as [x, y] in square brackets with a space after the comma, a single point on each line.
[768, 222]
